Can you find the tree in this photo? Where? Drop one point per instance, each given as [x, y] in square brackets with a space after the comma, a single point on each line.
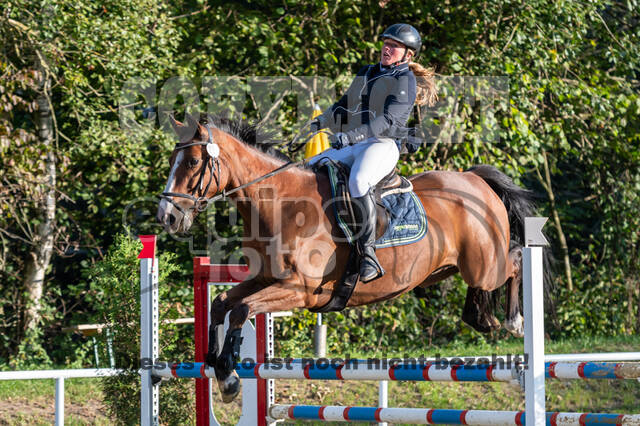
[63, 66]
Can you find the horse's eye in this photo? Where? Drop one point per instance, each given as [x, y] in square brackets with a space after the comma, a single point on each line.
[193, 162]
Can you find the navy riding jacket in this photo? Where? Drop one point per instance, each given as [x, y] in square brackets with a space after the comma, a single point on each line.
[377, 104]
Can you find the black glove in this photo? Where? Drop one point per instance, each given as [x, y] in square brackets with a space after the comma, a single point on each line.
[413, 144]
[411, 148]
[339, 140]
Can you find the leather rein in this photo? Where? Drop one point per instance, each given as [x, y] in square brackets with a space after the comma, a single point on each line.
[202, 202]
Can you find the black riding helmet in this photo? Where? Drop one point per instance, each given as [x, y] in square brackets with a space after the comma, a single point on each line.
[405, 34]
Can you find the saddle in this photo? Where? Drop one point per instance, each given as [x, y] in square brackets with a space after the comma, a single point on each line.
[339, 175]
[390, 184]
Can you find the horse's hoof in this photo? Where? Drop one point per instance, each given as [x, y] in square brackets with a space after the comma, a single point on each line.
[515, 326]
[493, 323]
[229, 387]
[486, 324]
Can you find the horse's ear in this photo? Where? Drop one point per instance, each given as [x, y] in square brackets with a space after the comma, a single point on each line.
[196, 127]
[191, 120]
[175, 124]
[185, 131]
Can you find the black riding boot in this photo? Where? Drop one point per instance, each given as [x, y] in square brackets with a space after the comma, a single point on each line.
[370, 268]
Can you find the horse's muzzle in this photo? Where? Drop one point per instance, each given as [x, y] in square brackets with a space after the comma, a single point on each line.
[174, 220]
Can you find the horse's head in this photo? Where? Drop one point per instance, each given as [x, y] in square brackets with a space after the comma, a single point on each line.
[195, 175]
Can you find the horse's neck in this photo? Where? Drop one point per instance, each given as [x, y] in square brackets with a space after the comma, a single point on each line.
[247, 164]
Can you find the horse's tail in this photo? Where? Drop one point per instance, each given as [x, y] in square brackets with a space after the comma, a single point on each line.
[519, 203]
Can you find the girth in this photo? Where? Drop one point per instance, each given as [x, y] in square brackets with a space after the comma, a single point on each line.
[390, 184]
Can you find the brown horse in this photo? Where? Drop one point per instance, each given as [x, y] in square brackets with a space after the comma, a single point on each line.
[292, 247]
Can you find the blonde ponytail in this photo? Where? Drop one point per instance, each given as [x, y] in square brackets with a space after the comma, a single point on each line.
[426, 92]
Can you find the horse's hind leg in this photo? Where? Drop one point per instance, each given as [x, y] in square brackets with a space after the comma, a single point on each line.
[514, 322]
[477, 310]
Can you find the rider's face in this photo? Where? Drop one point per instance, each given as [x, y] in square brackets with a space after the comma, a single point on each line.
[392, 52]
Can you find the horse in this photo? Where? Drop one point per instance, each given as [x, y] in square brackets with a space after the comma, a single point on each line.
[293, 249]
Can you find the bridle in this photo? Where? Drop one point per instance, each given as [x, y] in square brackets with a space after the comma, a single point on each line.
[202, 202]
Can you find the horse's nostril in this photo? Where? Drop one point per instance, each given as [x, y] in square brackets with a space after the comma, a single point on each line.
[171, 219]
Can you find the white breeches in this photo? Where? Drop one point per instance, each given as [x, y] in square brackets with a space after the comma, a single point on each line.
[370, 161]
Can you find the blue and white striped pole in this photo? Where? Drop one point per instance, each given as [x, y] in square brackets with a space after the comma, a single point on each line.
[442, 416]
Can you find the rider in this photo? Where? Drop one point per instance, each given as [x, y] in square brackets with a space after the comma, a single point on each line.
[369, 122]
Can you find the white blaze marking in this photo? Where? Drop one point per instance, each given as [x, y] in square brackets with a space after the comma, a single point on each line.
[165, 206]
[172, 175]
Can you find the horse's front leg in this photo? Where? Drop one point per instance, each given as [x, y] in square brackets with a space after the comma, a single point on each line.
[222, 304]
[228, 380]
[216, 329]
[279, 296]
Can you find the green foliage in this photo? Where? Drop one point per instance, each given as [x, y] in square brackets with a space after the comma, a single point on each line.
[31, 355]
[399, 326]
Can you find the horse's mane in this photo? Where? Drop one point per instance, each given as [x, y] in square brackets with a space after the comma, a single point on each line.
[250, 134]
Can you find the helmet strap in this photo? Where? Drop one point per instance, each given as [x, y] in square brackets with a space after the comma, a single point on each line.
[404, 56]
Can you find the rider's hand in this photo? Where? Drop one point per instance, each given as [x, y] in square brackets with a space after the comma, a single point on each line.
[339, 140]
[315, 126]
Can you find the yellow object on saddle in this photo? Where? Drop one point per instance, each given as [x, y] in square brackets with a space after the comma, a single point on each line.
[319, 142]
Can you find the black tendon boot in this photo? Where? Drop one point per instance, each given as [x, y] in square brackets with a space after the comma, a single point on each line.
[370, 268]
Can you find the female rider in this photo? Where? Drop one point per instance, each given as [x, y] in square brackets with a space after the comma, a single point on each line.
[369, 122]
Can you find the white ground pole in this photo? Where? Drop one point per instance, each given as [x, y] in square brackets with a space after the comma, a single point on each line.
[533, 300]
[149, 395]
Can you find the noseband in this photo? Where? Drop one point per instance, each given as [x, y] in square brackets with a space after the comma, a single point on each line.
[200, 203]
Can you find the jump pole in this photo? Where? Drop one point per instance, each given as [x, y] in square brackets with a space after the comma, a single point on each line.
[443, 416]
[429, 372]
